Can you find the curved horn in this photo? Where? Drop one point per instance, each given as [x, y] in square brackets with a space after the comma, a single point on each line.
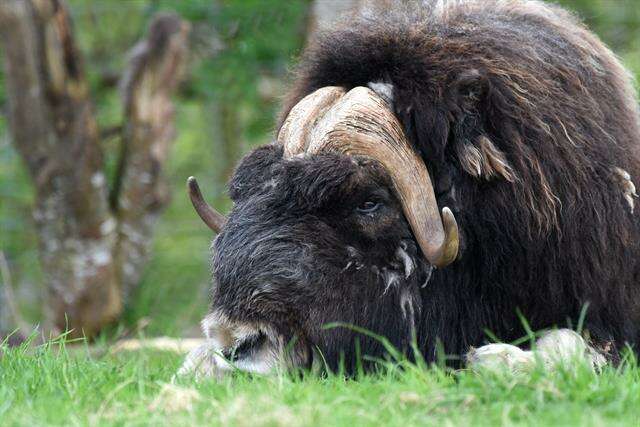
[297, 129]
[214, 219]
[361, 123]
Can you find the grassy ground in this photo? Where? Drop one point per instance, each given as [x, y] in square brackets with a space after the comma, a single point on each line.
[53, 387]
[59, 386]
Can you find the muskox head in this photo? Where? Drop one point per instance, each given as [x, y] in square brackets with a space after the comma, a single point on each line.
[337, 222]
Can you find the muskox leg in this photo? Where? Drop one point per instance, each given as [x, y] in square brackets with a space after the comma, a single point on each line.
[554, 349]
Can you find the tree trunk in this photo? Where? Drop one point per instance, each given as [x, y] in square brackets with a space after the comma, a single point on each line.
[54, 130]
[155, 65]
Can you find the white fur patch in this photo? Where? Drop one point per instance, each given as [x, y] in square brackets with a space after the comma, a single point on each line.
[561, 347]
[565, 346]
[406, 305]
[407, 262]
[391, 278]
[384, 91]
[628, 187]
[500, 356]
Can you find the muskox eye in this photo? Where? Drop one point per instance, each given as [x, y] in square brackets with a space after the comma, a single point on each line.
[368, 207]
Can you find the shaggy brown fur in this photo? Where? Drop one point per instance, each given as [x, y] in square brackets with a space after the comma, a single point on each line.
[530, 130]
[524, 92]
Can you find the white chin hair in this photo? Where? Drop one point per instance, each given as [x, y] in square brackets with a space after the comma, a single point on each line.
[207, 361]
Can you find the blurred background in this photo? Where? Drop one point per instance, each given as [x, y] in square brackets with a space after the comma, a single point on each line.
[236, 70]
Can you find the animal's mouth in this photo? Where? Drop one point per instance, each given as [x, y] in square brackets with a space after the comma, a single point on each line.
[235, 345]
[246, 349]
[244, 346]
[254, 353]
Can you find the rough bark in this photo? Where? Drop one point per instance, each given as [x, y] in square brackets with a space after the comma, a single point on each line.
[11, 325]
[54, 130]
[153, 72]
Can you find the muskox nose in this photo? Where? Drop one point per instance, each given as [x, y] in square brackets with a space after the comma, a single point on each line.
[232, 345]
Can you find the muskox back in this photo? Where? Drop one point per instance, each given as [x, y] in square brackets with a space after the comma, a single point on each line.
[527, 124]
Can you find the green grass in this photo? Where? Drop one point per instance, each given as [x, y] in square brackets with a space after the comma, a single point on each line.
[258, 39]
[49, 386]
[56, 385]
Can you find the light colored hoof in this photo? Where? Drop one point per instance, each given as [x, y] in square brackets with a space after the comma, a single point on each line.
[564, 347]
[555, 349]
[496, 357]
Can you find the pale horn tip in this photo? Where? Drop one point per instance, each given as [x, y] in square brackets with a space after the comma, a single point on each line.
[451, 241]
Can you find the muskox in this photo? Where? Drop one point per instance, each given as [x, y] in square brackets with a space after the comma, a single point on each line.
[438, 172]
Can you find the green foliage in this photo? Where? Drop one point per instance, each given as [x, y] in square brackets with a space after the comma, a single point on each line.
[616, 22]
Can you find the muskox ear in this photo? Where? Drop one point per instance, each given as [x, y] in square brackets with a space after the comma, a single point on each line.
[257, 171]
[430, 124]
[467, 91]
